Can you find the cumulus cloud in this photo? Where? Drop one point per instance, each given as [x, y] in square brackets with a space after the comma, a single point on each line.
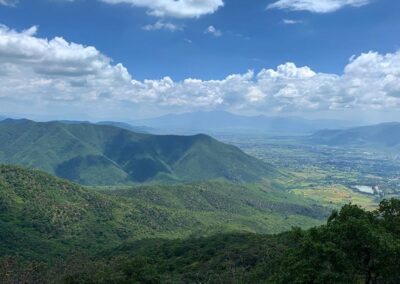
[161, 25]
[55, 57]
[174, 8]
[213, 31]
[48, 73]
[316, 6]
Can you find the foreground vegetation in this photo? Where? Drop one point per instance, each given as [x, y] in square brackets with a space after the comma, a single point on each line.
[355, 246]
[53, 231]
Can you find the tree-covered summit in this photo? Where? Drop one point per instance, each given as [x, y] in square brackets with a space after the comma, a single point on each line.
[94, 154]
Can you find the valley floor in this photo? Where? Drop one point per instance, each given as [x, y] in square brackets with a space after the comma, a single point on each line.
[327, 174]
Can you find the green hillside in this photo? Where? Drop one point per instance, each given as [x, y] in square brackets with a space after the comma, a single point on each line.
[102, 155]
[354, 246]
[43, 217]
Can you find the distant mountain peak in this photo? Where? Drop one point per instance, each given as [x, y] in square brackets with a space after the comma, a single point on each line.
[223, 121]
[102, 154]
[15, 121]
[384, 134]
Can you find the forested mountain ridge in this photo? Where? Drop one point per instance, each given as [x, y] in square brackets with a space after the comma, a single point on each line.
[53, 231]
[42, 217]
[103, 155]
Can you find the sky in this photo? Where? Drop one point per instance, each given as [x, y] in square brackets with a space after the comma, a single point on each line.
[130, 59]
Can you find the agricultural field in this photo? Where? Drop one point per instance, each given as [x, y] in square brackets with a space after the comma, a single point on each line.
[329, 174]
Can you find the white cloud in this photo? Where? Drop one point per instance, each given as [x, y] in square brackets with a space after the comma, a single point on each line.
[52, 74]
[291, 22]
[316, 6]
[162, 25]
[55, 57]
[8, 2]
[168, 8]
[174, 8]
[213, 31]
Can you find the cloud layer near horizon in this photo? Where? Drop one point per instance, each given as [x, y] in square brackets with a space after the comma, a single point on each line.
[40, 72]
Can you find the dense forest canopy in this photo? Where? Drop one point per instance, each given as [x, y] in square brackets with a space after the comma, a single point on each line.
[354, 246]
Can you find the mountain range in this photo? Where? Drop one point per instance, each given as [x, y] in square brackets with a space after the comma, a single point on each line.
[94, 154]
[381, 135]
[221, 121]
[127, 126]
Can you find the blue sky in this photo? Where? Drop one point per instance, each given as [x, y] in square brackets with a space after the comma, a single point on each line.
[218, 39]
[253, 37]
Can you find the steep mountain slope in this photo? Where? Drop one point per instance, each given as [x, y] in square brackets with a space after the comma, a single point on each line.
[384, 135]
[220, 121]
[100, 154]
[42, 216]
